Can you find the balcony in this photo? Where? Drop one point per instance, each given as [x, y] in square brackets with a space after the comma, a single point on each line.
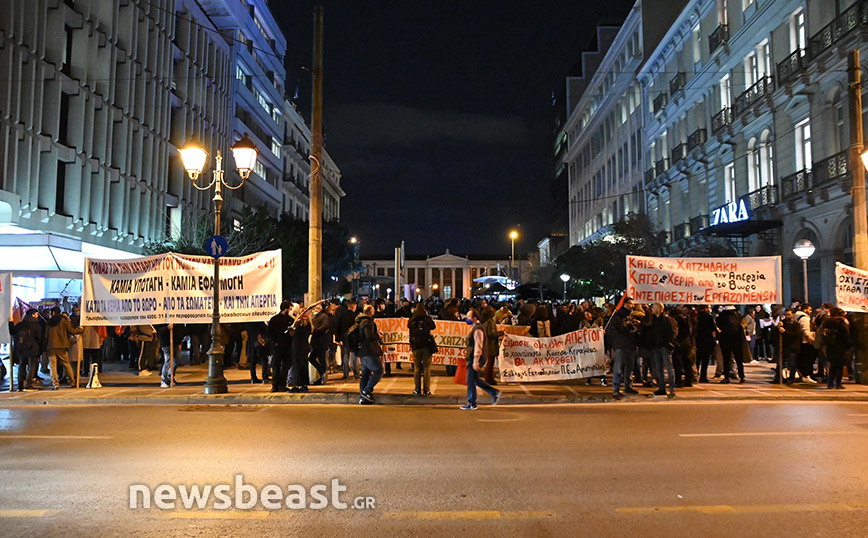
[795, 184]
[718, 37]
[831, 168]
[677, 83]
[697, 223]
[762, 197]
[680, 231]
[649, 175]
[660, 102]
[721, 119]
[660, 167]
[833, 32]
[791, 66]
[696, 138]
[752, 95]
[679, 152]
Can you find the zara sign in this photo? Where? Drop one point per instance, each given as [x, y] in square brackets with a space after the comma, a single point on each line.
[731, 212]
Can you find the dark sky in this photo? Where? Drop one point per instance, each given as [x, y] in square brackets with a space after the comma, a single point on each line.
[438, 113]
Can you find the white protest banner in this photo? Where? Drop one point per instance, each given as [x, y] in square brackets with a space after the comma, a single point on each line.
[851, 288]
[568, 356]
[5, 305]
[711, 281]
[450, 336]
[177, 288]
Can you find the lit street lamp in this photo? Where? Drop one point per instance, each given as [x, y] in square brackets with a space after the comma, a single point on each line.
[804, 249]
[354, 241]
[566, 278]
[194, 156]
[513, 235]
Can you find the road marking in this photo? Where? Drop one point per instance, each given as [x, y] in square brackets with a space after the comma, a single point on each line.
[85, 437]
[857, 414]
[770, 434]
[525, 389]
[25, 513]
[237, 514]
[473, 514]
[744, 509]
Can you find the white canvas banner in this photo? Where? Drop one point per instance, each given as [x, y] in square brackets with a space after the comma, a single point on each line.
[711, 281]
[851, 288]
[178, 288]
[5, 305]
[569, 356]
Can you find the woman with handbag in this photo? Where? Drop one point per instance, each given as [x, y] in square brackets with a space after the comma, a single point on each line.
[423, 347]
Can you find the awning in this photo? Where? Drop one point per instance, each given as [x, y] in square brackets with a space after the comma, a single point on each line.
[51, 256]
[742, 228]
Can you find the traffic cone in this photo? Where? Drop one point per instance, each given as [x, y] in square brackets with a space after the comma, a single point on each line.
[93, 382]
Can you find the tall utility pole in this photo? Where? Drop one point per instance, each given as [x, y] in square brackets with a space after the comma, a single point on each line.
[860, 217]
[314, 270]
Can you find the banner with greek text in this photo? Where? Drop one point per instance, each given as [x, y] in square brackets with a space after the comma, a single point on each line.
[178, 288]
[851, 288]
[711, 281]
[569, 356]
[451, 338]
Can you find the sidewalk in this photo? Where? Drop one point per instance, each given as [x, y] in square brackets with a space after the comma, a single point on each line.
[123, 386]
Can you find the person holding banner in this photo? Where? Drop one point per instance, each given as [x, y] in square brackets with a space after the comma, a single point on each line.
[663, 333]
[623, 332]
[835, 336]
[476, 363]
[59, 331]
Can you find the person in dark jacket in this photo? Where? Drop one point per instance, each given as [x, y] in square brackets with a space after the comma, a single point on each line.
[835, 335]
[706, 339]
[171, 353]
[731, 342]
[662, 338]
[683, 355]
[258, 350]
[371, 353]
[345, 316]
[419, 327]
[300, 332]
[59, 331]
[29, 338]
[320, 338]
[282, 342]
[623, 332]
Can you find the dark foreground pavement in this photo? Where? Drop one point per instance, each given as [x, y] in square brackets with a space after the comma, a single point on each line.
[123, 386]
[650, 469]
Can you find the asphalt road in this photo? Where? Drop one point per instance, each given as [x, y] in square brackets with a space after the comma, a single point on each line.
[625, 469]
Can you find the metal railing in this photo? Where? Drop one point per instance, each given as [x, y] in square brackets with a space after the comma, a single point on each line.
[795, 184]
[679, 152]
[660, 102]
[792, 65]
[676, 84]
[747, 98]
[832, 168]
[660, 167]
[697, 223]
[721, 119]
[680, 231]
[842, 25]
[696, 138]
[718, 37]
[649, 175]
[762, 197]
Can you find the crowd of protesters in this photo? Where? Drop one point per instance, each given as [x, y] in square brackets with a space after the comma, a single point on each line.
[649, 346]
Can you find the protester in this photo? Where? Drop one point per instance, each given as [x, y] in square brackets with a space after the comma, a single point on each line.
[371, 353]
[320, 338]
[300, 332]
[623, 333]
[807, 352]
[59, 331]
[422, 345]
[663, 333]
[29, 337]
[835, 336]
[732, 341]
[476, 362]
[281, 341]
[706, 339]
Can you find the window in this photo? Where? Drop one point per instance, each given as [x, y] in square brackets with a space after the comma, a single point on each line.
[751, 70]
[241, 74]
[729, 192]
[754, 166]
[721, 12]
[803, 144]
[746, 4]
[259, 169]
[764, 57]
[724, 92]
[697, 45]
[66, 57]
[841, 123]
[276, 148]
[766, 155]
[798, 32]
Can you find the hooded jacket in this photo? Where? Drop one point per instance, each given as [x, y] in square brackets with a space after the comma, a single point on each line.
[622, 332]
[59, 331]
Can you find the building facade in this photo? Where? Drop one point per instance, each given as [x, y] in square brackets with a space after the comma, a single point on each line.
[738, 90]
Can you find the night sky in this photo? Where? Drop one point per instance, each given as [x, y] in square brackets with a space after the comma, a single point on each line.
[438, 113]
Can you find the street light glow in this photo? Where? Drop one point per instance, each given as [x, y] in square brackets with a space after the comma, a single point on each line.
[244, 152]
[513, 235]
[565, 277]
[354, 240]
[193, 156]
[804, 249]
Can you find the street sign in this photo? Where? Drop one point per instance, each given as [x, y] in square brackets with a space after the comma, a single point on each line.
[216, 246]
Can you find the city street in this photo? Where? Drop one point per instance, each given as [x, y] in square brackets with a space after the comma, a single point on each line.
[650, 469]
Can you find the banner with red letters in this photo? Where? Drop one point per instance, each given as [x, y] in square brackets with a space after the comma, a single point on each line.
[568, 356]
[851, 288]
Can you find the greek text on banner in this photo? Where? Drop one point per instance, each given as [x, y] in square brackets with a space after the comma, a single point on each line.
[178, 288]
[568, 356]
[711, 281]
[851, 288]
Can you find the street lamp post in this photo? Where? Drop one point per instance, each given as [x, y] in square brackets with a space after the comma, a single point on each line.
[566, 278]
[354, 241]
[513, 235]
[194, 156]
[804, 249]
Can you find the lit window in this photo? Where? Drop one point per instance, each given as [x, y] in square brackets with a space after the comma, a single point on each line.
[729, 192]
[803, 144]
[276, 148]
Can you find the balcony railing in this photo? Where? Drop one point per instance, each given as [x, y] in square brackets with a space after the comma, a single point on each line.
[680, 231]
[721, 119]
[697, 223]
[762, 197]
[750, 96]
[718, 37]
[679, 152]
[696, 138]
[795, 184]
[677, 83]
[791, 66]
[660, 102]
[831, 168]
[660, 167]
[842, 25]
[649, 175]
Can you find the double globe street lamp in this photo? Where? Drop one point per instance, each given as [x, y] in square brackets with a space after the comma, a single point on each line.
[194, 156]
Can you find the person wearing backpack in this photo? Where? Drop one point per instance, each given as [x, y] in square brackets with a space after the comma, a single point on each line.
[422, 345]
[28, 336]
[791, 343]
[835, 332]
[371, 353]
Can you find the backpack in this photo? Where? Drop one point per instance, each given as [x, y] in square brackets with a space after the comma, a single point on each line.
[418, 333]
[353, 340]
[27, 343]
